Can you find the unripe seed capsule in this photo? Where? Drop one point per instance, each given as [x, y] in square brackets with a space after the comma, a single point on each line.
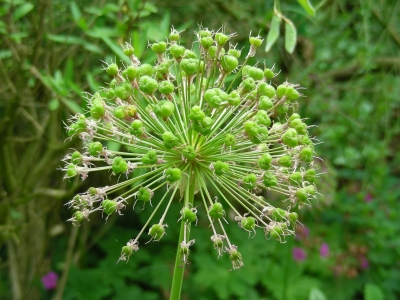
[265, 103]
[229, 63]
[159, 47]
[206, 42]
[109, 206]
[148, 85]
[71, 170]
[157, 231]
[164, 108]
[310, 175]
[295, 178]
[189, 65]
[291, 93]
[112, 70]
[290, 137]
[221, 38]
[119, 112]
[265, 89]
[281, 90]
[127, 251]
[119, 165]
[128, 51]
[248, 223]
[173, 174]
[255, 41]
[278, 214]
[216, 211]
[188, 215]
[249, 181]
[150, 158]
[255, 73]
[78, 215]
[170, 140]
[268, 74]
[293, 217]
[76, 157]
[95, 148]
[177, 51]
[124, 90]
[264, 162]
[144, 69]
[166, 87]
[251, 128]
[189, 152]
[229, 140]
[144, 194]
[234, 98]
[216, 97]
[220, 168]
[285, 161]
[301, 195]
[306, 154]
[234, 52]
[136, 128]
[262, 118]
[130, 110]
[270, 179]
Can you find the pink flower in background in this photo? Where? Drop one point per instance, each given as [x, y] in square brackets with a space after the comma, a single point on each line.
[364, 264]
[368, 197]
[302, 232]
[324, 250]
[299, 254]
[50, 280]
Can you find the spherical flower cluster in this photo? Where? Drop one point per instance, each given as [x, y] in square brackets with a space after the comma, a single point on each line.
[189, 131]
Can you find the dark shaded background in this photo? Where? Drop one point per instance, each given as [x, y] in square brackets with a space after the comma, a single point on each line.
[347, 57]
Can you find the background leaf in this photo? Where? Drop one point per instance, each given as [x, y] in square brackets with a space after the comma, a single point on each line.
[274, 32]
[290, 36]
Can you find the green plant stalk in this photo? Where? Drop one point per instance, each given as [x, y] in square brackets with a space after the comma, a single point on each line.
[179, 268]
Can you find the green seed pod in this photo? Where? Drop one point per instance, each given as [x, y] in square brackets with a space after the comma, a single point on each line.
[229, 140]
[285, 161]
[234, 98]
[123, 90]
[159, 47]
[281, 90]
[128, 50]
[130, 111]
[278, 214]
[110, 94]
[235, 257]
[98, 109]
[170, 140]
[295, 178]
[276, 233]
[77, 127]
[218, 243]
[164, 108]
[144, 194]
[235, 53]
[251, 128]
[162, 68]
[136, 128]
[188, 215]
[305, 140]
[216, 211]
[221, 38]
[265, 89]
[255, 41]
[262, 118]
[204, 33]
[293, 217]
[130, 73]
[265, 103]
[248, 223]
[248, 85]
[290, 138]
[282, 109]
[95, 148]
[264, 162]
[220, 168]
[119, 112]
[78, 215]
[291, 93]
[206, 42]
[262, 135]
[203, 127]
[310, 189]
[71, 170]
[173, 174]
[156, 232]
[268, 74]
[177, 51]
[229, 63]
[212, 52]
[144, 70]
[190, 54]
[126, 251]
[306, 154]
[76, 157]
[196, 114]
[166, 87]
[92, 191]
[256, 73]
[216, 97]
[119, 165]
[189, 152]
[293, 117]
[270, 179]
[189, 66]
[310, 175]
[112, 70]
[296, 122]
[250, 181]
[301, 195]
[301, 128]
[109, 206]
[113, 83]
[150, 158]
[148, 85]
[174, 35]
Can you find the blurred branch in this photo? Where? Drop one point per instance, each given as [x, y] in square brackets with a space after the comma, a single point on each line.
[389, 27]
[51, 193]
[14, 271]
[347, 72]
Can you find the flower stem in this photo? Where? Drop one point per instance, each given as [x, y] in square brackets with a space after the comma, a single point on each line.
[179, 268]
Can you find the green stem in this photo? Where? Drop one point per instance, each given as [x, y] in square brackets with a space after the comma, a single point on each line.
[179, 268]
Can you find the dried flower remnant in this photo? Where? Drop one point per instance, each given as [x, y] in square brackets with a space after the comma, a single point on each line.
[192, 134]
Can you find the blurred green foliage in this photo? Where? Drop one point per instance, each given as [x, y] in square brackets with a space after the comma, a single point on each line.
[346, 57]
